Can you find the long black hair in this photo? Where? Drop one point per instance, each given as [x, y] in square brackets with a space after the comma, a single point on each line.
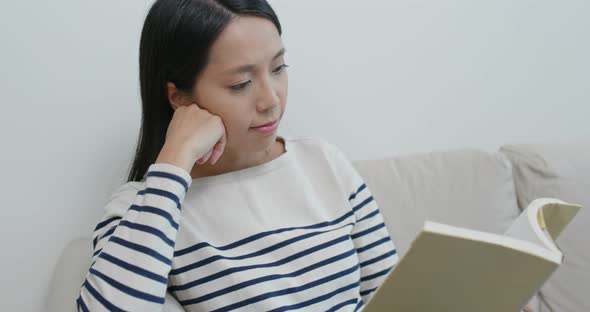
[174, 47]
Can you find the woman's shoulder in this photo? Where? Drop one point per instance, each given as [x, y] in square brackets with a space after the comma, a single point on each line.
[329, 154]
[310, 143]
[319, 148]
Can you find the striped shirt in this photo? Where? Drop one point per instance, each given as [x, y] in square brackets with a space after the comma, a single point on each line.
[300, 232]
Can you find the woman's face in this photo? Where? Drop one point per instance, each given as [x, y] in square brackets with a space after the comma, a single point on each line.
[245, 82]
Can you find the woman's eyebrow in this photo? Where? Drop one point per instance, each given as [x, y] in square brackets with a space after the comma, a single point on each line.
[279, 54]
[251, 67]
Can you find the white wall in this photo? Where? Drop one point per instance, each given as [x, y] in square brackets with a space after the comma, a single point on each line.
[412, 76]
[374, 77]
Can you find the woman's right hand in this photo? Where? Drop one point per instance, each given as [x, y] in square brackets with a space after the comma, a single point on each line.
[193, 136]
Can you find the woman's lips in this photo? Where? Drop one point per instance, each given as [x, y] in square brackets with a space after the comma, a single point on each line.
[267, 128]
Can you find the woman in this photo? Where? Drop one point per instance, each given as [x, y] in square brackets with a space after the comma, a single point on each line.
[220, 213]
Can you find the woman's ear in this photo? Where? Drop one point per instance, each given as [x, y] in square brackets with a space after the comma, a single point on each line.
[176, 97]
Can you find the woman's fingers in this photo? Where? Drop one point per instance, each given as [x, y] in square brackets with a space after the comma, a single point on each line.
[205, 157]
[218, 149]
[215, 153]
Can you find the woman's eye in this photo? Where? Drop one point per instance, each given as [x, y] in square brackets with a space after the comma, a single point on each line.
[240, 86]
[280, 68]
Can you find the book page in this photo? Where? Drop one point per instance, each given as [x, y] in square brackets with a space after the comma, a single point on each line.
[522, 228]
[558, 216]
[542, 222]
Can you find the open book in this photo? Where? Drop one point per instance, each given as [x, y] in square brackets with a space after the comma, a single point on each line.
[449, 268]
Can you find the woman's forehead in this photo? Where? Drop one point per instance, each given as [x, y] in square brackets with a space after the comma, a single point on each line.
[245, 40]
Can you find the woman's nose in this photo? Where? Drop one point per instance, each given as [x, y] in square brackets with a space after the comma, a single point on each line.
[268, 96]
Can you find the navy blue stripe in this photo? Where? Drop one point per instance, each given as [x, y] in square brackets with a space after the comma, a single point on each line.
[133, 268]
[363, 203]
[266, 250]
[372, 214]
[126, 289]
[108, 233]
[373, 244]
[81, 305]
[101, 299]
[266, 278]
[257, 236]
[96, 253]
[169, 176]
[94, 242]
[290, 290]
[147, 209]
[296, 256]
[317, 299]
[148, 229]
[367, 231]
[378, 258]
[359, 305]
[156, 211]
[353, 195]
[150, 252]
[105, 223]
[372, 276]
[342, 304]
[368, 291]
[162, 193]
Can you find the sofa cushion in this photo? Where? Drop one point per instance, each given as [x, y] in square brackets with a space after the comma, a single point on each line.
[68, 275]
[562, 172]
[467, 188]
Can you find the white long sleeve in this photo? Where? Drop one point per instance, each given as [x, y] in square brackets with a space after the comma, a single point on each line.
[134, 244]
[374, 246]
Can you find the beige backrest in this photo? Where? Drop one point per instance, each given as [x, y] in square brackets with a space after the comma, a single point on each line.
[560, 171]
[467, 188]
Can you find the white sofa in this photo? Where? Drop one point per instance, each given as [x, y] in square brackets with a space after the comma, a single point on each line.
[469, 188]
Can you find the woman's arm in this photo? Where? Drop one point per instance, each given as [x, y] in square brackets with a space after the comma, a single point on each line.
[134, 244]
[374, 247]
